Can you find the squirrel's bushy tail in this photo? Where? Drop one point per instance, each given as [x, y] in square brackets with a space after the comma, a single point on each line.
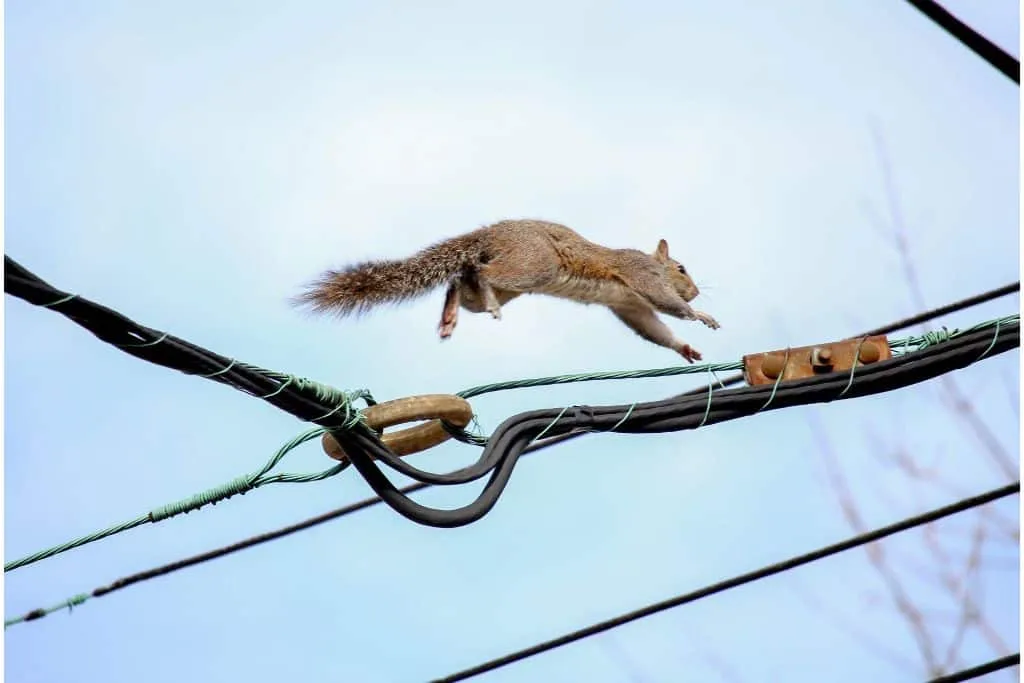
[358, 288]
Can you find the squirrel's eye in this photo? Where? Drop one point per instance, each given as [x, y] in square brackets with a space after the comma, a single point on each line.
[682, 269]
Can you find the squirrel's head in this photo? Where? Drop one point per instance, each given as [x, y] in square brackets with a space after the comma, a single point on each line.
[676, 273]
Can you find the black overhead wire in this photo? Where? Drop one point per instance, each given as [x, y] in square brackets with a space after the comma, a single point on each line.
[970, 301]
[515, 434]
[1004, 62]
[193, 560]
[980, 670]
[742, 579]
[535, 447]
[167, 350]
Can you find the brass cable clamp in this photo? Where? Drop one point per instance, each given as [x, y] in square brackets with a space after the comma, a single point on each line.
[809, 361]
[454, 410]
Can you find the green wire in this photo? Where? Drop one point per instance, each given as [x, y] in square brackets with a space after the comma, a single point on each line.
[237, 486]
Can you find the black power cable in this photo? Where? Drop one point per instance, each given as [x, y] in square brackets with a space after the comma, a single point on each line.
[167, 350]
[750, 577]
[1004, 62]
[193, 560]
[980, 670]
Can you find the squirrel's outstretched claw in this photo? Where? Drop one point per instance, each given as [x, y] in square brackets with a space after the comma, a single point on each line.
[707, 320]
[689, 353]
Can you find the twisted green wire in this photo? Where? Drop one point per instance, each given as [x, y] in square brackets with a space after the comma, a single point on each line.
[597, 376]
[68, 604]
[237, 486]
[477, 439]
[923, 341]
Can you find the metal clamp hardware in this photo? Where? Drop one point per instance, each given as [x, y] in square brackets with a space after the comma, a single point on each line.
[808, 361]
[434, 407]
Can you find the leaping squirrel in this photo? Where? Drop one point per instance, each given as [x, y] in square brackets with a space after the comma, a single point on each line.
[488, 267]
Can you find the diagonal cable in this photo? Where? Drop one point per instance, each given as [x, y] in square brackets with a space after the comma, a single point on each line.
[742, 579]
[996, 56]
[980, 670]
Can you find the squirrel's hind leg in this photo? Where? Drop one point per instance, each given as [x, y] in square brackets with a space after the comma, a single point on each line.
[645, 322]
[491, 303]
[479, 297]
[475, 299]
[450, 312]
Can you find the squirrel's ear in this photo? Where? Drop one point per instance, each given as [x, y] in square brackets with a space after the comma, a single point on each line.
[662, 250]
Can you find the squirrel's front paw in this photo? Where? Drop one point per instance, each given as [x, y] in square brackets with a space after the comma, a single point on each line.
[688, 352]
[707, 320]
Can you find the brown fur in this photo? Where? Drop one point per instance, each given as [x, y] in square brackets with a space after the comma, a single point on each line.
[360, 287]
[489, 267]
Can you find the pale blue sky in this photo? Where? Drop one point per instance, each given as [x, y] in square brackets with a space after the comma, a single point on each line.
[192, 164]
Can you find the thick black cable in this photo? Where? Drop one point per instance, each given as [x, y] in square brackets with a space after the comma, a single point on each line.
[170, 351]
[980, 670]
[960, 305]
[742, 579]
[1003, 61]
[515, 434]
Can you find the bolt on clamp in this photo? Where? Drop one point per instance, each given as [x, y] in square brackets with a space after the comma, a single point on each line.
[809, 361]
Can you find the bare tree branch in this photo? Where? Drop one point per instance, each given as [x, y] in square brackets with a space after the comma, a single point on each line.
[851, 628]
[947, 584]
[899, 235]
[617, 653]
[964, 410]
[968, 612]
[876, 553]
[720, 665]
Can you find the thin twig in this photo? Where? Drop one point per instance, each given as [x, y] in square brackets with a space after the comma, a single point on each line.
[876, 553]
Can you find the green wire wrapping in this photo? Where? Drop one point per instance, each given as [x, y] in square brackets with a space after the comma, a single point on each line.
[68, 604]
[237, 486]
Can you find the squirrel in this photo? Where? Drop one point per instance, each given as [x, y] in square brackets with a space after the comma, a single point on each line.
[488, 267]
